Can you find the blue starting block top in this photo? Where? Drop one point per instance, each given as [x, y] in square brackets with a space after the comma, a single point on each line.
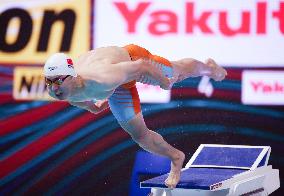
[212, 163]
[229, 156]
[195, 178]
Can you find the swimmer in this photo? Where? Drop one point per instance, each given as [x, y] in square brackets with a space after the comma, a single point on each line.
[106, 77]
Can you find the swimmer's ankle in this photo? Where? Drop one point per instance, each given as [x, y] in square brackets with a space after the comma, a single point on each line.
[178, 156]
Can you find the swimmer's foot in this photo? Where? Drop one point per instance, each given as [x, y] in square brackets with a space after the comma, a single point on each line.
[218, 73]
[176, 166]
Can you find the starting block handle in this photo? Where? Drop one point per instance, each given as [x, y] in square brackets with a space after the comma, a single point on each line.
[251, 186]
[160, 192]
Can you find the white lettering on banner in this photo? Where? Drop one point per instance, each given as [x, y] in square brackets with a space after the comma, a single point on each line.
[231, 32]
[263, 87]
[205, 86]
[152, 94]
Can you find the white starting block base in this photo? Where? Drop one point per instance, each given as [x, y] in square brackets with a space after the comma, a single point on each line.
[231, 175]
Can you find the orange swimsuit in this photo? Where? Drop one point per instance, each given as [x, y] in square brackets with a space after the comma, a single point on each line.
[124, 102]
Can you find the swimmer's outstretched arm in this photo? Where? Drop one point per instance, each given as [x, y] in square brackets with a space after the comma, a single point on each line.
[91, 106]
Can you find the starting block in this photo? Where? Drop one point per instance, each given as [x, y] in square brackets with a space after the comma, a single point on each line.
[216, 170]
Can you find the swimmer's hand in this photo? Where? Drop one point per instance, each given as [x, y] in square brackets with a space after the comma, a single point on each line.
[91, 106]
[148, 68]
[102, 104]
[218, 73]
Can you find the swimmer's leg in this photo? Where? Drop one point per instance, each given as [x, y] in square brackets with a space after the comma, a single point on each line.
[189, 67]
[154, 143]
[125, 105]
[175, 71]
